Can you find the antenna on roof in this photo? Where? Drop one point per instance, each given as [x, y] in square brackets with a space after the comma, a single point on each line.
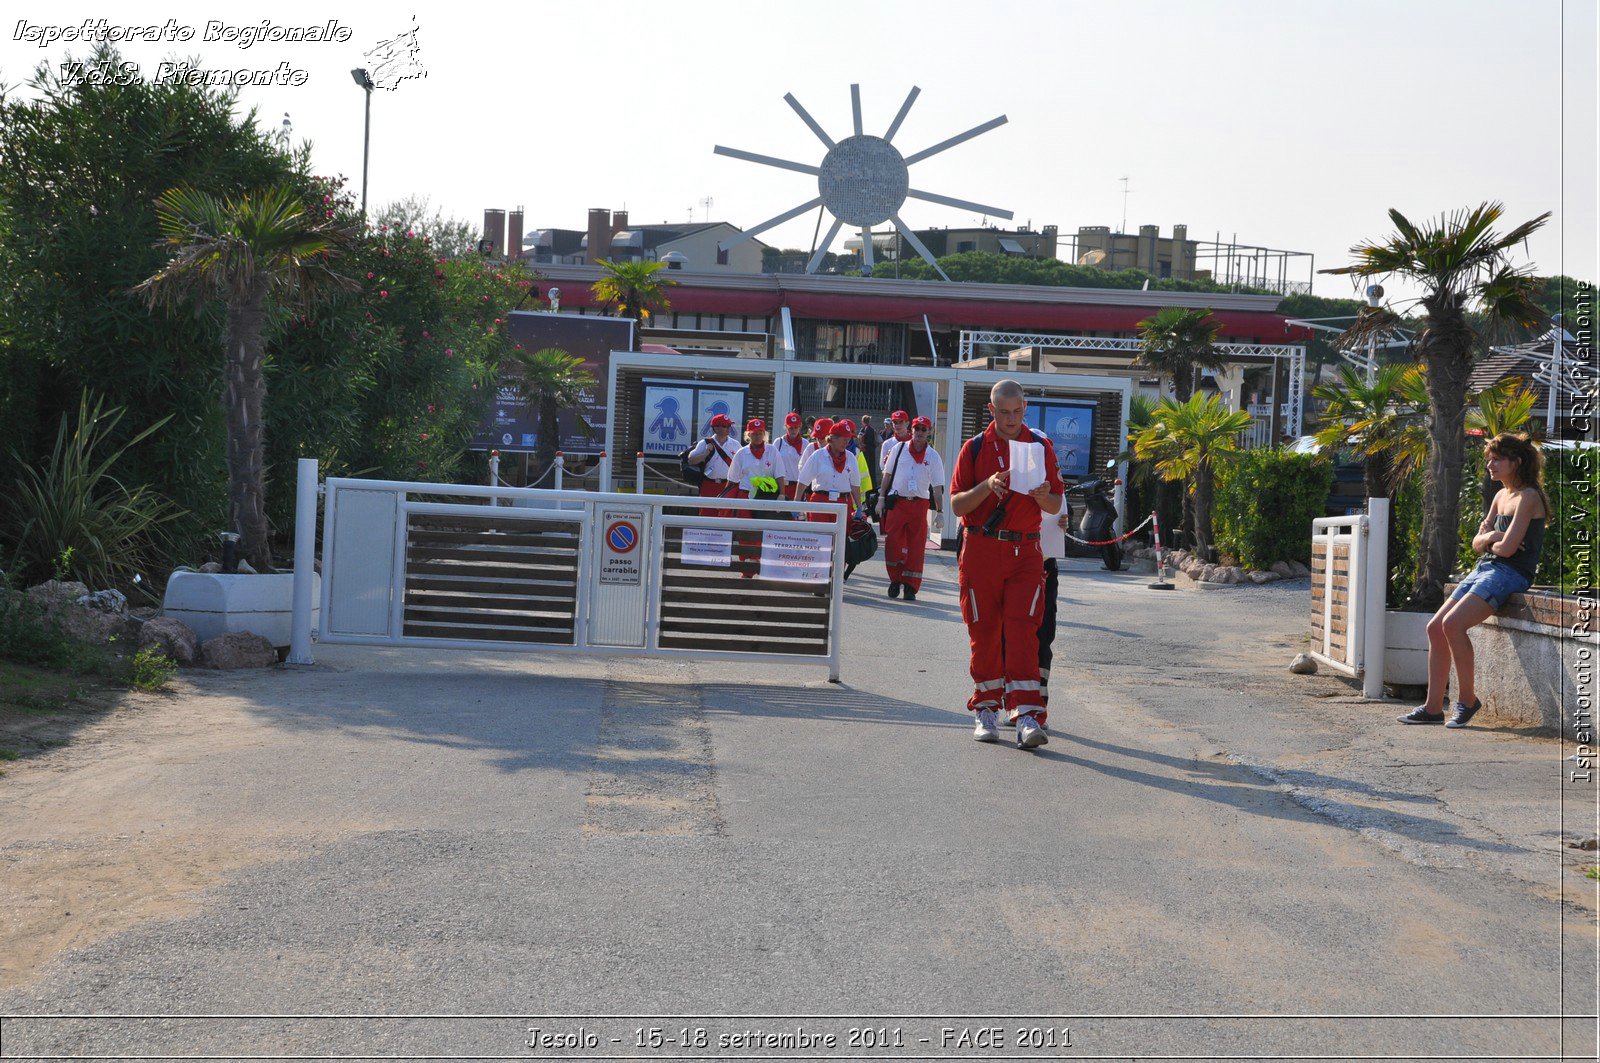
[706, 203]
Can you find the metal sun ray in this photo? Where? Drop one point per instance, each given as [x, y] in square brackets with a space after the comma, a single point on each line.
[873, 173]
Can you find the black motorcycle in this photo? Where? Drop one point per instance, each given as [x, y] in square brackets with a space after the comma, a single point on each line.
[1094, 522]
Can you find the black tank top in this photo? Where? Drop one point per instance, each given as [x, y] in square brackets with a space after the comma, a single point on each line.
[1526, 559]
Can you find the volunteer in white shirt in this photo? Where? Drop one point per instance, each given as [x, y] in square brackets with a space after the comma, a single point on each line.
[716, 453]
[831, 474]
[757, 458]
[791, 446]
[900, 422]
[913, 481]
[818, 441]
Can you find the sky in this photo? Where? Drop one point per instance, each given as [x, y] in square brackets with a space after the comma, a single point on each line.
[1292, 125]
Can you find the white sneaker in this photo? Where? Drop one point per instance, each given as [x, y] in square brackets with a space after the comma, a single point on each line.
[1029, 734]
[988, 729]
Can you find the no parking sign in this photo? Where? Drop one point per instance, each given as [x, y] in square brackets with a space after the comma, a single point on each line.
[619, 547]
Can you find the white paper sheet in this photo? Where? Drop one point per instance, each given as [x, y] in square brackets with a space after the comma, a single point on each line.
[1027, 465]
[1052, 540]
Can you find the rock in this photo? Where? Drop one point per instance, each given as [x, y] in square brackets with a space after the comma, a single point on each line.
[1264, 577]
[171, 637]
[58, 603]
[1303, 664]
[211, 566]
[245, 568]
[105, 601]
[1300, 571]
[1283, 569]
[1588, 845]
[1235, 574]
[238, 649]
[1208, 574]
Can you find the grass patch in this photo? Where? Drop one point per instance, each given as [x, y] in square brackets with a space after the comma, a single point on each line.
[1592, 874]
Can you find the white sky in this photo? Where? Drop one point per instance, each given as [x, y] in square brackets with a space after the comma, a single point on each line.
[1294, 125]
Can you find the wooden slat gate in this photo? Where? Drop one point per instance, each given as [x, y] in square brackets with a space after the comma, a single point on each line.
[1338, 592]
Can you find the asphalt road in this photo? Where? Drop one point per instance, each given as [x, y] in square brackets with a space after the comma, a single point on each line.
[1210, 858]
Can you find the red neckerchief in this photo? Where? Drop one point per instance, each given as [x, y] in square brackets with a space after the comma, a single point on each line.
[798, 443]
[759, 452]
[838, 460]
[917, 455]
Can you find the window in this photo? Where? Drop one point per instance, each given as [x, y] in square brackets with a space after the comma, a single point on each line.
[966, 245]
[722, 256]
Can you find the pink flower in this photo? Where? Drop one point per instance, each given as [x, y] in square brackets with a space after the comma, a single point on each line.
[410, 233]
[383, 228]
[327, 199]
[384, 294]
[449, 352]
[519, 346]
[424, 435]
[369, 274]
[430, 407]
[486, 298]
[425, 334]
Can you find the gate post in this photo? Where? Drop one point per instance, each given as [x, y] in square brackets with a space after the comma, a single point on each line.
[305, 552]
[638, 474]
[1376, 577]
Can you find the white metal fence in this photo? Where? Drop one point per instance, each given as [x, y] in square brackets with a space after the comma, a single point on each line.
[1349, 581]
[456, 565]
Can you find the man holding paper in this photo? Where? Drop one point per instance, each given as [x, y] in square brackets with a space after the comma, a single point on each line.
[1005, 481]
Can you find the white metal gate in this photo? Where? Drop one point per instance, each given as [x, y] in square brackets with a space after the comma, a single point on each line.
[447, 565]
[1349, 582]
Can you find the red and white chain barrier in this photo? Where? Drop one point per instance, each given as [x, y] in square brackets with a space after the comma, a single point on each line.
[1118, 539]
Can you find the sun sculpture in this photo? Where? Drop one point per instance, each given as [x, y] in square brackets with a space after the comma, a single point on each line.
[863, 181]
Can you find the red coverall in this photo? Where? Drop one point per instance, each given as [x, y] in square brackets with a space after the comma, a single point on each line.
[710, 488]
[905, 541]
[1002, 582]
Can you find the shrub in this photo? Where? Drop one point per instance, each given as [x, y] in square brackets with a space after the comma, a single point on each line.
[150, 669]
[1266, 501]
[26, 637]
[71, 518]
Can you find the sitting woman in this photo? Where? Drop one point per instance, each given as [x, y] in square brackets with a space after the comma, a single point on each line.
[1509, 539]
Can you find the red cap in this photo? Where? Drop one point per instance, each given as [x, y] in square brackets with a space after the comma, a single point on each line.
[721, 420]
[821, 427]
[845, 427]
[921, 422]
[899, 415]
[790, 420]
[756, 424]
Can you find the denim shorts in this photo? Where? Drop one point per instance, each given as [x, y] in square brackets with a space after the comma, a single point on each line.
[1493, 582]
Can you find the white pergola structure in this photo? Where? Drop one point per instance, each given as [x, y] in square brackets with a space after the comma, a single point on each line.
[1294, 355]
[1560, 374]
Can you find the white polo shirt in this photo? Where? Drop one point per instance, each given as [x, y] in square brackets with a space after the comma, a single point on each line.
[746, 465]
[913, 478]
[888, 445]
[715, 468]
[818, 474]
[792, 456]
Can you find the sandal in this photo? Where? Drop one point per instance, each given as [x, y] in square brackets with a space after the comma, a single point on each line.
[1464, 713]
[1420, 714]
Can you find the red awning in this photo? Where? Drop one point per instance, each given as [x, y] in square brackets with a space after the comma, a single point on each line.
[1237, 325]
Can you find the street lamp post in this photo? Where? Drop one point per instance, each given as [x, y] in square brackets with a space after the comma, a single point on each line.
[359, 74]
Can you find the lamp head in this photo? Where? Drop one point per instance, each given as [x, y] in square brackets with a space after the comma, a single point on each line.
[359, 75]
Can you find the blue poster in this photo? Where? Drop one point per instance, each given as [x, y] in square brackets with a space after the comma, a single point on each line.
[669, 415]
[1071, 432]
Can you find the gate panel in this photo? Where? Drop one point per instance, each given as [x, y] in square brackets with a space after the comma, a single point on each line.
[734, 609]
[491, 578]
[360, 564]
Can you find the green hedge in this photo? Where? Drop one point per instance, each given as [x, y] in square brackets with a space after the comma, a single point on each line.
[1265, 502]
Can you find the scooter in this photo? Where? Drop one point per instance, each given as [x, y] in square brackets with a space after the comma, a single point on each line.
[1096, 523]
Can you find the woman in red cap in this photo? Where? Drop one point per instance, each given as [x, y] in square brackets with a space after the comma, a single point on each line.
[831, 474]
[912, 479]
[791, 447]
[900, 421]
[756, 458]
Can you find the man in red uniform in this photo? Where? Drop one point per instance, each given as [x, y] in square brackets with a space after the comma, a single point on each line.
[913, 476]
[1002, 569]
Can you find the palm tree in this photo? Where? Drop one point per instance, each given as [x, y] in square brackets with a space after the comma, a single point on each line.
[261, 253]
[1462, 265]
[1190, 439]
[1505, 406]
[1383, 421]
[633, 289]
[552, 380]
[1177, 343]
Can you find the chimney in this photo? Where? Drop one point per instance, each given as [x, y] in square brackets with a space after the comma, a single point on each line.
[1182, 254]
[619, 222]
[514, 235]
[1145, 250]
[494, 231]
[599, 234]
